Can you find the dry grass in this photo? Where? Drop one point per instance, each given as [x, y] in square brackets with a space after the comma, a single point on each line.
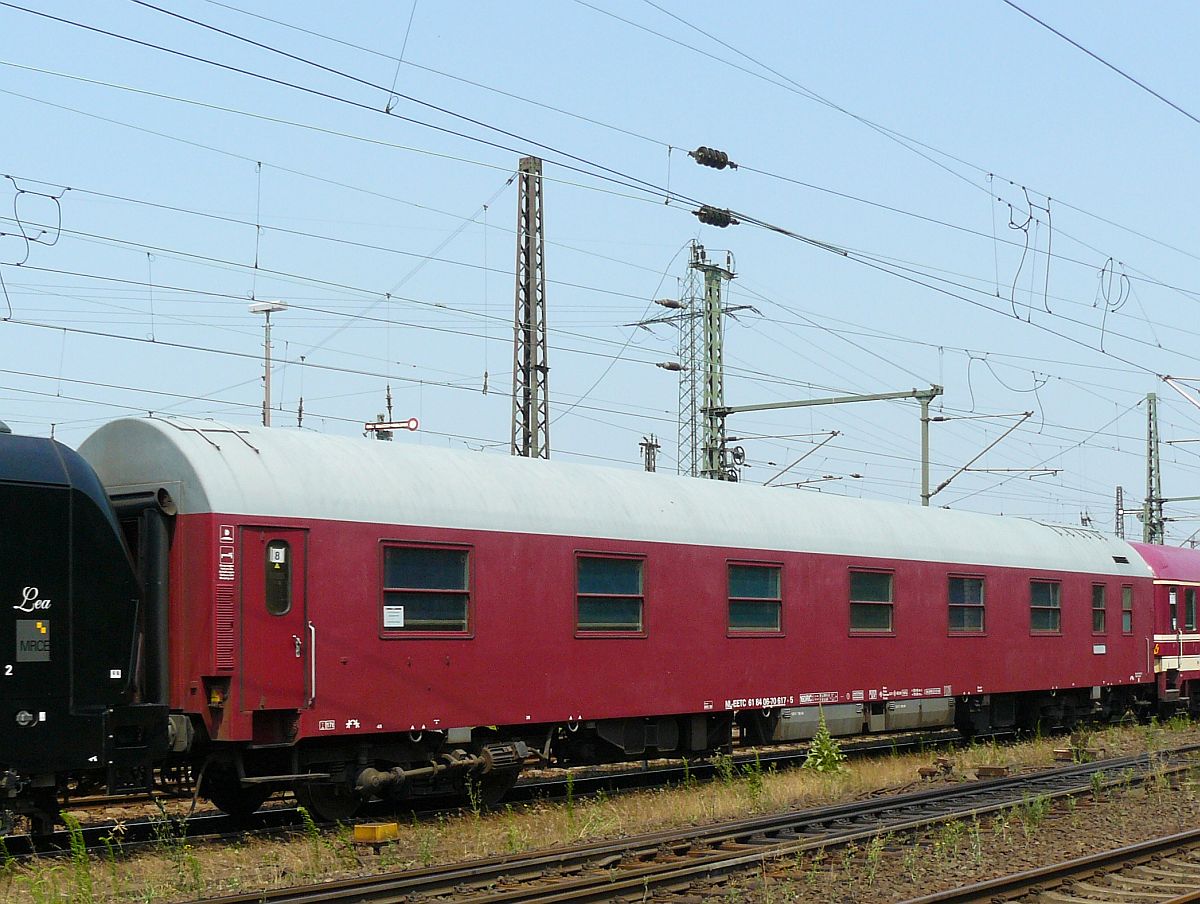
[178, 870]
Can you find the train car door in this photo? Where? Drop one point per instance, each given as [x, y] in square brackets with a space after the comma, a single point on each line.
[276, 651]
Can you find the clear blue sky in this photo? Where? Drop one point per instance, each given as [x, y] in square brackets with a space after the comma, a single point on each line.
[393, 241]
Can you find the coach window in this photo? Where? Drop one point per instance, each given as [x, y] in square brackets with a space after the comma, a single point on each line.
[966, 605]
[1189, 608]
[609, 596]
[871, 601]
[1126, 609]
[1045, 609]
[755, 603]
[1099, 611]
[279, 577]
[425, 589]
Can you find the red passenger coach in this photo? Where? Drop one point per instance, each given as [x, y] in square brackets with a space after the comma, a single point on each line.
[1173, 642]
[353, 618]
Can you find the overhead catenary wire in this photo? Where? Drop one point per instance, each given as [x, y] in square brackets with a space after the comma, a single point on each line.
[781, 80]
[427, 381]
[319, 309]
[249, 406]
[1192, 294]
[786, 83]
[313, 176]
[264, 117]
[327, 311]
[399, 60]
[465, 386]
[1051, 458]
[1099, 59]
[309, 234]
[860, 257]
[598, 170]
[572, 162]
[325, 416]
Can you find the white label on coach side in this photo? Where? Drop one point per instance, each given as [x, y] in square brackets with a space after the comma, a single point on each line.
[226, 561]
[393, 616]
[31, 600]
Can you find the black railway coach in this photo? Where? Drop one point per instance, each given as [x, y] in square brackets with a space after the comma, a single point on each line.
[71, 713]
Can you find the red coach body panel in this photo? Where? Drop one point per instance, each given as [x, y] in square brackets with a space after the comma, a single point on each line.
[522, 659]
[1175, 640]
[524, 662]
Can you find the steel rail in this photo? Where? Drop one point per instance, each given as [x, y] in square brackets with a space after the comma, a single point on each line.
[1043, 879]
[597, 871]
[767, 758]
[639, 882]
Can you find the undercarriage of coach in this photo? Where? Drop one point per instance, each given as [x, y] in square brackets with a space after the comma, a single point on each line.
[333, 779]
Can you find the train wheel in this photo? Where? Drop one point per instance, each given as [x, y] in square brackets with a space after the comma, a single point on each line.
[222, 787]
[328, 801]
[486, 791]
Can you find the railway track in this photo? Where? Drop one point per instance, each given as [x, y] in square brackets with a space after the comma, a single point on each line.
[135, 833]
[673, 861]
[1165, 871]
[771, 758]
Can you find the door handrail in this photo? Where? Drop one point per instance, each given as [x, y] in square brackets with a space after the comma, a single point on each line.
[312, 663]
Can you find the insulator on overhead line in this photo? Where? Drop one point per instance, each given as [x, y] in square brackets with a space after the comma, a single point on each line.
[715, 216]
[672, 303]
[706, 156]
[669, 365]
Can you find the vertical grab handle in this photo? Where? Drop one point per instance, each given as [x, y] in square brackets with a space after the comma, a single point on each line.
[312, 663]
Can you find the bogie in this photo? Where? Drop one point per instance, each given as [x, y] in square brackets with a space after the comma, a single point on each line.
[221, 786]
[329, 801]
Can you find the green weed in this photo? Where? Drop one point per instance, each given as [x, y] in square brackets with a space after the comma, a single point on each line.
[910, 862]
[475, 794]
[726, 771]
[571, 797]
[1032, 812]
[815, 868]
[975, 840]
[948, 840]
[171, 835]
[824, 753]
[753, 776]
[43, 885]
[871, 862]
[81, 863]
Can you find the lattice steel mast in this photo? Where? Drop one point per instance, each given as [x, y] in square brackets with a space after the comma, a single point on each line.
[1154, 527]
[712, 460]
[689, 375]
[531, 370]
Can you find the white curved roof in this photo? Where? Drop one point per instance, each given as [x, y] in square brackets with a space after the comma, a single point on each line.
[276, 472]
